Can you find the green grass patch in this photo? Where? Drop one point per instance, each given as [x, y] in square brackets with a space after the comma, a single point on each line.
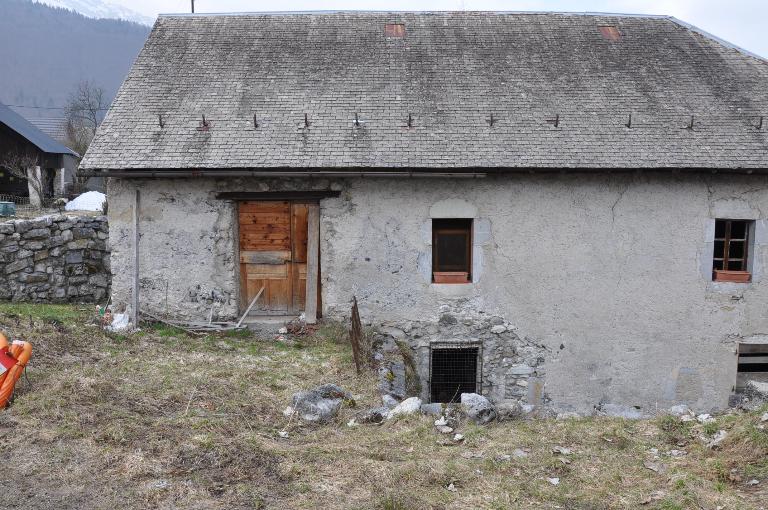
[66, 314]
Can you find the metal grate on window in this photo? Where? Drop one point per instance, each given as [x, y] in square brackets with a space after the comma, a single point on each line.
[453, 371]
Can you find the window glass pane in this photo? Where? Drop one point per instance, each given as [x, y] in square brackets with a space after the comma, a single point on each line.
[738, 229]
[452, 251]
[736, 251]
[719, 229]
[718, 264]
[735, 265]
[719, 249]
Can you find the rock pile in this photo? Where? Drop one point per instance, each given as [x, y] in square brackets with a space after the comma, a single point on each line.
[55, 259]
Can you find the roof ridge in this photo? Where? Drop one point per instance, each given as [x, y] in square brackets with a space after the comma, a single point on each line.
[364, 11]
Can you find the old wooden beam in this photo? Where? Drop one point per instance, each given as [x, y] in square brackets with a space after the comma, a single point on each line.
[309, 195]
[313, 262]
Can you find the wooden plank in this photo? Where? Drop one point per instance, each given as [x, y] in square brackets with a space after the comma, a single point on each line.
[250, 243]
[277, 195]
[263, 207]
[136, 308]
[267, 271]
[265, 219]
[753, 360]
[753, 349]
[299, 286]
[313, 254]
[265, 257]
[299, 234]
[247, 310]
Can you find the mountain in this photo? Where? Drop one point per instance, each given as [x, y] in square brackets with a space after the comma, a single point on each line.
[99, 9]
[46, 51]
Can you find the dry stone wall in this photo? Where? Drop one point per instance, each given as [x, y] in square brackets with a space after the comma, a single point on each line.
[55, 259]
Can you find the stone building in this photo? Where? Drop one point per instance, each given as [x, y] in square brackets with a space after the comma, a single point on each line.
[565, 210]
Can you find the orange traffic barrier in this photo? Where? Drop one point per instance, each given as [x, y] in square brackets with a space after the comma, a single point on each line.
[17, 351]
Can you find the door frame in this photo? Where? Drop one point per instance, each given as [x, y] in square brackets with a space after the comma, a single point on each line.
[309, 198]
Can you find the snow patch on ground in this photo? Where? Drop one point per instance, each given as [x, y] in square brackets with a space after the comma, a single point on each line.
[88, 201]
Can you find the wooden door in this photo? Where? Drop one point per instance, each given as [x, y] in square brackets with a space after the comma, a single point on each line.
[273, 255]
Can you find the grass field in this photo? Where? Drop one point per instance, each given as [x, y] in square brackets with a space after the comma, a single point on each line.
[159, 419]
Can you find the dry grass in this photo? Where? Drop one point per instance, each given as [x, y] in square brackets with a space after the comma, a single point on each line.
[162, 420]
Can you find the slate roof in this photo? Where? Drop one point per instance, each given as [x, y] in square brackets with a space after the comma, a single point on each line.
[450, 72]
[34, 135]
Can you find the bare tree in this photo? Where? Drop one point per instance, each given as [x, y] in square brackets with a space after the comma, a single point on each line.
[84, 111]
[26, 166]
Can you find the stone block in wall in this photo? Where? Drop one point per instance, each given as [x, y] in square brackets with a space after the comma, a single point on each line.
[33, 277]
[55, 241]
[78, 244]
[22, 254]
[34, 245]
[83, 233]
[41, 255]
[37, 233]
[97, 245]
[7, 228]
[99, 280]
[17, 266]
[11, 247]
[74, 257]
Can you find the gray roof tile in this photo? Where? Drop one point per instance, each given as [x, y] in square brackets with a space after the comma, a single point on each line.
[451, 71]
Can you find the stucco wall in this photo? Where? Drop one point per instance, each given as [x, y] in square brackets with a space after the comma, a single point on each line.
[610, 274]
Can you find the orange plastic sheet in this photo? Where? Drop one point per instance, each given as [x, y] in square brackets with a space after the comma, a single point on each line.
[21, 352]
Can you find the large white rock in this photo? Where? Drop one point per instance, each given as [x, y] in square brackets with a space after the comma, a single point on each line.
[478, 408]
[408, 406]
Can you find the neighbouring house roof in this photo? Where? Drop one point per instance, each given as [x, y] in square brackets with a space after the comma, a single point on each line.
[35, 136]
[482, 90]
[55, 127]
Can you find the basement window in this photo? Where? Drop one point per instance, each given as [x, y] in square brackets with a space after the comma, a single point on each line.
[452, 250]
[753, 364]
[453, 371]
[731, 253]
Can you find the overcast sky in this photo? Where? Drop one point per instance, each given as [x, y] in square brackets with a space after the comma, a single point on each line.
[742, 22]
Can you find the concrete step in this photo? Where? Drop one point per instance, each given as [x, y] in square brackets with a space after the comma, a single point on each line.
[268, 323]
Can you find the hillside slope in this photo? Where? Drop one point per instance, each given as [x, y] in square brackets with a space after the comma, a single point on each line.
[45, 51]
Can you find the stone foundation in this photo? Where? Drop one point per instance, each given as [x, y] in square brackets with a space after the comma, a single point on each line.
[55, 259]
[511, 365]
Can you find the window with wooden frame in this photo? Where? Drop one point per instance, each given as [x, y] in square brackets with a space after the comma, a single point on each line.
[731, 254]
[451, 250]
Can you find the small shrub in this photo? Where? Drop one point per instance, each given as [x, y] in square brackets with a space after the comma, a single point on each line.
[673, 430]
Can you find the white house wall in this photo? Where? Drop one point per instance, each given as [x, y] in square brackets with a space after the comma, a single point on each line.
[602, 283]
